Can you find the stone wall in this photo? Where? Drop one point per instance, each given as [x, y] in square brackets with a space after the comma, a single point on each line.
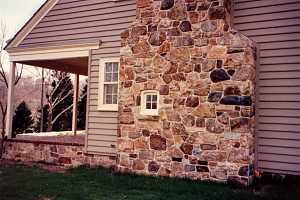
[63, 154]
[204, 71]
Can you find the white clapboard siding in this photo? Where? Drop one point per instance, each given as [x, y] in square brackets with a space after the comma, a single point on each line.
[275, 26]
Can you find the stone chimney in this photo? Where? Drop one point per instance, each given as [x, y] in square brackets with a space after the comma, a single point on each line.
[203, 72]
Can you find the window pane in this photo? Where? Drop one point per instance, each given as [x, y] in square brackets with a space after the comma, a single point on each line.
[108, 67]
[154, 98]
[108, 99]
[148, 105]
[108, 89]
[148, 98]
[115, 77]
[110, 93]
[115, 89]
[115, 67]
[154, 105]
[114, 99]
[108, 77]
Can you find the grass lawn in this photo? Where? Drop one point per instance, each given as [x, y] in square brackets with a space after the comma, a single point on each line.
[30, 183]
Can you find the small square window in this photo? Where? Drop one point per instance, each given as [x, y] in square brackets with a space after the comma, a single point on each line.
[150, 100]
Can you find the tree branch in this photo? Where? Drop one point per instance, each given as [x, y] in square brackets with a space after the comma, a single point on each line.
[60, 114]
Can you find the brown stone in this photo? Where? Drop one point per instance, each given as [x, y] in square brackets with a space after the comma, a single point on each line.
[139, 30]
[208, 65]
[223, 118]
[178, 12]
[157, 142]
[208, 147]
[157, 38]
[192, 101]
[125, 34]
[180, 54]
[174, 32]
[179, 77]
[134, 134]
[125, 145]
[241, 125]
[209, 26]
[167, 78]
[216, 13]
[189, 120]
[185, 26]
[244, 73]
[153, 167]
[164, 90]
[126, 118]
[166, 4]
[172, 68]
[140, 144]
[200, 122]
[178, 129]
[143, 3]
[145, 132]
[232, 90]
[141, 47]
[205, 110]
[216, 52]
[138, 165]
[213, 126]
[176, 153]
[189, 168]
[140, 79]
[164, 48]
[187, 148]
[65, 160]
[146, 155]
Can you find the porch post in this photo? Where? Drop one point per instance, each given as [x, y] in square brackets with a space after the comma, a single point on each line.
[10, 100]
[75, 104]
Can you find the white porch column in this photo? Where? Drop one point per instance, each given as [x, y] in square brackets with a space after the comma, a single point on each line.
[75, 104]
[10, 99]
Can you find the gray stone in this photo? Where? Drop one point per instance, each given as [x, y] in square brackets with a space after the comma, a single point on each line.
[219, 75]
[166, 4]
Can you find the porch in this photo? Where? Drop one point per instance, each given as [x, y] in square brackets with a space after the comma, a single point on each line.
[69, 58]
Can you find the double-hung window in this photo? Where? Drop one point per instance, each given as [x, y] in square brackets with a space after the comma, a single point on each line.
[108, 84]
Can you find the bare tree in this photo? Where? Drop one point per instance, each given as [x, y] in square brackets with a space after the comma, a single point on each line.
[59, 97]
[4, 81]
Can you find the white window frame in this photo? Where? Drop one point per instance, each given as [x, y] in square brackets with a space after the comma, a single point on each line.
[143, 110]
[101, 105]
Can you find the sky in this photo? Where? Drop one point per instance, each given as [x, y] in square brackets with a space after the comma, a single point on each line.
[15, 13]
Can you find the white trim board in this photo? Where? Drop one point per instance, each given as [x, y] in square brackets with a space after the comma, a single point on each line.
[52, 53]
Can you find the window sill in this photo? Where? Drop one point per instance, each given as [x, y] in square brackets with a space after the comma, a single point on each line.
[111, 107]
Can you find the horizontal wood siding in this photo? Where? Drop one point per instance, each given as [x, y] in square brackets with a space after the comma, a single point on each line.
[275, 25]
[73, 20]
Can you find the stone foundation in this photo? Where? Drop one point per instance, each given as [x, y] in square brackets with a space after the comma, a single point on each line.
[204, 71]
[63, 154]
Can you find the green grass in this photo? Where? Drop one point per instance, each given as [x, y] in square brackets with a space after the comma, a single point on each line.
[29, 183]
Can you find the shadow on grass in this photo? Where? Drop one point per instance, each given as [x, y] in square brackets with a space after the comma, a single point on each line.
[30, 183]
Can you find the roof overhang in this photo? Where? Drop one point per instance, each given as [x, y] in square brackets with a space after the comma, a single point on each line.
[71, 58]
[51, 53]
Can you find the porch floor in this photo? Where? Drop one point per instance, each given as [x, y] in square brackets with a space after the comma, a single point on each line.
[54, 137]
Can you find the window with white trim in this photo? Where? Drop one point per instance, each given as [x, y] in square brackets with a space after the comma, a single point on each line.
[108, 84]
[149, 102]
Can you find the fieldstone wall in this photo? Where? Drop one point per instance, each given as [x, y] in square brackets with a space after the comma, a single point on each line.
[204, 71]
[67, 155]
